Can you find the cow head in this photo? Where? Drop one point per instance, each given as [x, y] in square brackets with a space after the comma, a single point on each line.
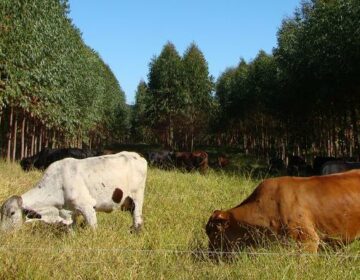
[217, 230]
[226, 234]
[26, 164]
[11, 214]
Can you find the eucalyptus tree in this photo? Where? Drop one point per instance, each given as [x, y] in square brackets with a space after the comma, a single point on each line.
[55, 90]
[318, 54]
[167, 97]
[198, 87]
[239, 105]
[140, 125]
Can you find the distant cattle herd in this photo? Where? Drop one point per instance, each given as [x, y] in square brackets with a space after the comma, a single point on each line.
[200, 161]
[318, 202]
[297, 166]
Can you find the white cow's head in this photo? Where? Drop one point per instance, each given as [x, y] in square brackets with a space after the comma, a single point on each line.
[11, 214]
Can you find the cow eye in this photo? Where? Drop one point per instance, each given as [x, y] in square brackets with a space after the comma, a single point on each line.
[12, 213]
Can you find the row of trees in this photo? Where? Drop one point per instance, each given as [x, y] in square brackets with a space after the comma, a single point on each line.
[173, 107]
[304, 98]
[54, 90]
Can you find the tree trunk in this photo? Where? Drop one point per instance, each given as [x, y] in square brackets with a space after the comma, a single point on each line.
[9, 134]
[32, 151]
[40, 139]
[46, 136]
[23, 126]
[14, 137]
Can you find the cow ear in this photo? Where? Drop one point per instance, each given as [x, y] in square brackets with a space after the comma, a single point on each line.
[221, 218]
[19, 201]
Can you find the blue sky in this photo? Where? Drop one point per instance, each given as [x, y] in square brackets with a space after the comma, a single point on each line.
[128, 33]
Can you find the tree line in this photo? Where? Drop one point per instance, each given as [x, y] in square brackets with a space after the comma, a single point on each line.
[173, 107]
[303, 98]
[54, 89]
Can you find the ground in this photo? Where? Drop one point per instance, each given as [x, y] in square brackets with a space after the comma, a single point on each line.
[172, 244]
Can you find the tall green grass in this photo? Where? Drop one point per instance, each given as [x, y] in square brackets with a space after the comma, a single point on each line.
[172, 244]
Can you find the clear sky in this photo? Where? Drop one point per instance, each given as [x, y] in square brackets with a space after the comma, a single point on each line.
[128, 33]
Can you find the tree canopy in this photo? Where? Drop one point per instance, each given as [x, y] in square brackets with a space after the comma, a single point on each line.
[303, 98]
[53, 83]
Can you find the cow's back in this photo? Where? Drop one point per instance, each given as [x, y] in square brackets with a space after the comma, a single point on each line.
[106, 180]
[330, 204]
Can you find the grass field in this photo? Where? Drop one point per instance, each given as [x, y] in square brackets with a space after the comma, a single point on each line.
[172, 244]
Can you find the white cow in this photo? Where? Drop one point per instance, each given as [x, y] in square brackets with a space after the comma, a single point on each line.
[82, 186]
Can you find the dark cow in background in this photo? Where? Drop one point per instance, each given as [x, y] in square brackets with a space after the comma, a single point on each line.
[298, 167]
[319, 161]
[276, 165]
[337, 166]
[161, 159]
[223, 161]
[47, 156]
[197, 160]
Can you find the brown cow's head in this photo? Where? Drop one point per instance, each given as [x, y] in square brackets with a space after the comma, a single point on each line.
[228, 235]
[218, 230]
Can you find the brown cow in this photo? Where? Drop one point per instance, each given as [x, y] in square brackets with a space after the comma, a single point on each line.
[306, 209]
[223, 161]
[197, 160]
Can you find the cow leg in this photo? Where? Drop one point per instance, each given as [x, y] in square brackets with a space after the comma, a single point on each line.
[75, 215]
[51, 215]
[137, 214]
[89, 214]
[138, 203]
[306, 236]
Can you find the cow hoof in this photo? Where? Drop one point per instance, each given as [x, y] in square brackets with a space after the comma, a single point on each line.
[135, 229]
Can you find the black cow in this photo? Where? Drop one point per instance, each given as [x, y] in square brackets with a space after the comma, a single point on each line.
[337, 166]
[162, 159]
[47, 156]
[319, 161]
[276, 165]
[296, 166]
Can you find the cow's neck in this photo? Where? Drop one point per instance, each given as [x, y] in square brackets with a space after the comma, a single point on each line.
[250, 214]
[40, 197]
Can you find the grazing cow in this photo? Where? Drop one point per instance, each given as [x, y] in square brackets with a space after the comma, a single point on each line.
[308, 210]
[223, 161]
[47, 156]
[192, 160]
[338, 166]
[319, 162]
[83, 186]
[298, 167]
[161, 159]
[276, 165]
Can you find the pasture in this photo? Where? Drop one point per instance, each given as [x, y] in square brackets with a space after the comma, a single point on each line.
[172, 244]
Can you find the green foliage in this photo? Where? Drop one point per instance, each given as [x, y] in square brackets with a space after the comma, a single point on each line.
[165, 87]
[140, 123]
[198, 86]
[51, 75]
[306, 92]
[177, 102]
[318, 53]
